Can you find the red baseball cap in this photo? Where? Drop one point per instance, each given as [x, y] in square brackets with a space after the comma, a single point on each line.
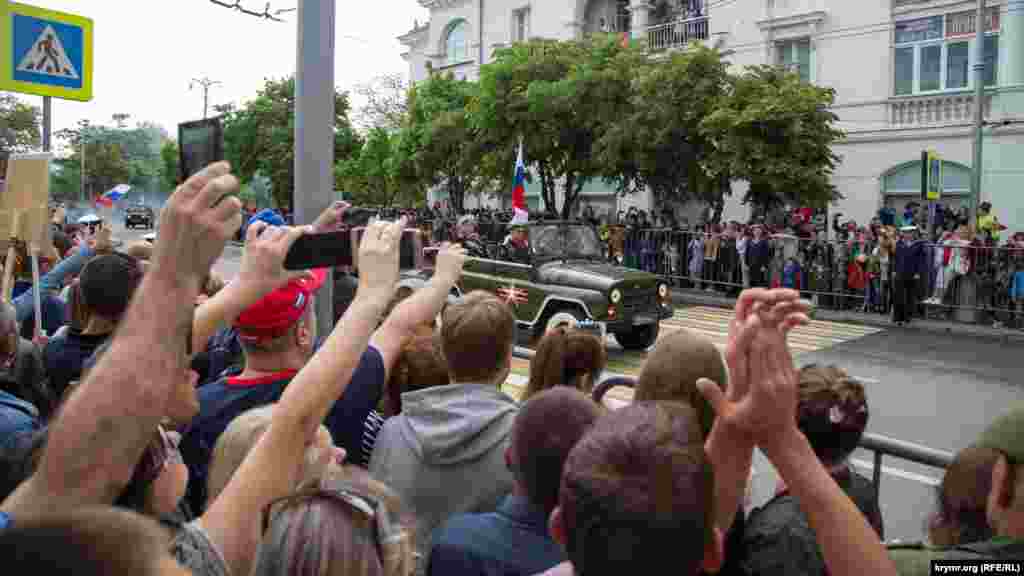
[273, 315]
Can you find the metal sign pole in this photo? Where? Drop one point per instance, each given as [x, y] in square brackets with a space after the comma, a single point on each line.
[47, 122]
[979, 110]
[314, 128]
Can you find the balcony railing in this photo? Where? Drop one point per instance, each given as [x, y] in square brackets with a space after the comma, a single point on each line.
[937, 109]
[677, 34]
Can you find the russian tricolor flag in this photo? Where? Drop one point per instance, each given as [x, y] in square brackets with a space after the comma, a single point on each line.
[113, 195]
[520, 215]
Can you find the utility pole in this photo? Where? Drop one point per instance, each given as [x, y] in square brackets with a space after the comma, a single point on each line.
[206, 83]
[82, 128]
[979, 110]
[314, 127]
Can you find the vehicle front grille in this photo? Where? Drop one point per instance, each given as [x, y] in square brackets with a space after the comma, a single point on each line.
[640, 299]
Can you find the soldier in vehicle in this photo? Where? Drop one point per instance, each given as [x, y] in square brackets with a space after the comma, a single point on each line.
[516, 246]
[467, 235]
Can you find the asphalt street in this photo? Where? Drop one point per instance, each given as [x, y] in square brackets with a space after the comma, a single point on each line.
[938, 390]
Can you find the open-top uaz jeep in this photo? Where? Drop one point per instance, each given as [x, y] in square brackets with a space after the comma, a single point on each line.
[567, 279]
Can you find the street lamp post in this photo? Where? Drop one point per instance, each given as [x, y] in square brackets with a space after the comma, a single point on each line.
[206, 84]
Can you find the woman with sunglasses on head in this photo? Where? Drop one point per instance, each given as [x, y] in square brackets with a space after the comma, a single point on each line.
[362, 529]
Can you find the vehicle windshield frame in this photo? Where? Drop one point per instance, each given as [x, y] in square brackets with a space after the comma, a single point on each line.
[552, 241]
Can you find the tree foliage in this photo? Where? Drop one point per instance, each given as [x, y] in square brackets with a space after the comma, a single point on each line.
[777, 132]
[113, 155]
[379, 175]
[559, 97]
[385, 102]
[440, 142]
[259, 137]
[19, 126]
[659, 143]
[170, 172]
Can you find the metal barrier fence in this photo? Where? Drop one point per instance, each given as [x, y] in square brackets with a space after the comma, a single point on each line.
[879, 445]
[968, 283]
[953, 280]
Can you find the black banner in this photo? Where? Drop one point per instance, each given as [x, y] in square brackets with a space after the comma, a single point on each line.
[200, 143]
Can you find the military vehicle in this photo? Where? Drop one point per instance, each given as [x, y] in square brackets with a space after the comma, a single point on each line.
[139, 215]
[567, 280]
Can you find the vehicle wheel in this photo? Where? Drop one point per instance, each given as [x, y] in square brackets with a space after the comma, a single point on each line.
[568, 315]
[639, 338]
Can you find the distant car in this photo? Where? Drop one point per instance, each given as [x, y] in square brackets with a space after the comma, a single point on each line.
[138, 217]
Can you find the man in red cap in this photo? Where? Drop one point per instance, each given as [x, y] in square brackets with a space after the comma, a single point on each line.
[278, 335]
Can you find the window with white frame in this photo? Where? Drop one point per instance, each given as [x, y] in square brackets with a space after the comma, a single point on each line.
[456, 46]
[521, 25]
[935, 54]
[795, 56]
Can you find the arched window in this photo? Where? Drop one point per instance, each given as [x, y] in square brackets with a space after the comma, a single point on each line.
[456, 47]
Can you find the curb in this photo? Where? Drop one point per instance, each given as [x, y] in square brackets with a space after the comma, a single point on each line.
[691, 298]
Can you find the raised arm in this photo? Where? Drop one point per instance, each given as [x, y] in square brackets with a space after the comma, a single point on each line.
[848, 543]
[259, 274]
[102, 431]
[273, 467]
[729, 447]
[422, 307]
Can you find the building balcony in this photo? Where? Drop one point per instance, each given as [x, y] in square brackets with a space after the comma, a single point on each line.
[677, 34]
[937, 109]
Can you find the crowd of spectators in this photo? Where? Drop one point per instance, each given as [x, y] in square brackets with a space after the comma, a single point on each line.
[182, 425]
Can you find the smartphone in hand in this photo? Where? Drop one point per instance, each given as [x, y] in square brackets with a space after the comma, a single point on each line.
[325, 250]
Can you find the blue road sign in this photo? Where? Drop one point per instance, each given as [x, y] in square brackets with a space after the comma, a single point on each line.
[50, 53]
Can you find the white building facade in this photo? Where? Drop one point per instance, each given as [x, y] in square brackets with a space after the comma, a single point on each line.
[901, 69]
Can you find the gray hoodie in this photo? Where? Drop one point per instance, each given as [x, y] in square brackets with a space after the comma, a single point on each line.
[445, 453]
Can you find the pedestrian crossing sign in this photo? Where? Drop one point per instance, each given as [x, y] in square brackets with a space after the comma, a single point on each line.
[48, 53]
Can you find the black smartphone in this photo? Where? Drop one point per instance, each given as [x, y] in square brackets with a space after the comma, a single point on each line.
[332, 249]
[320, 251]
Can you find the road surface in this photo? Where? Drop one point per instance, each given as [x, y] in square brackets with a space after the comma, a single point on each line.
[931, 389]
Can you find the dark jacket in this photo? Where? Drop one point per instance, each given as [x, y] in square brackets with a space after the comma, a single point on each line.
[910, 258]
[779, 540]
[17, 418]
[511, 541]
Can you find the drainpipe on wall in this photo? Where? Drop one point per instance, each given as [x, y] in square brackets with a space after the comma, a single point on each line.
[480, 34]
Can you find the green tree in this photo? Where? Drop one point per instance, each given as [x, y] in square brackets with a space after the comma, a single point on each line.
[439, 141]
[169, 170]
[658, 142]
[378, 175]
[385, 102]
[260, 137]
[559, 97]
[777, 133]
[19, 126]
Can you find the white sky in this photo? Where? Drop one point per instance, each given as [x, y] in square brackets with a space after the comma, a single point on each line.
[147, 51]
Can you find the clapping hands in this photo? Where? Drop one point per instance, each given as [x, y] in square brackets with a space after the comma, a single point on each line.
[761, 398]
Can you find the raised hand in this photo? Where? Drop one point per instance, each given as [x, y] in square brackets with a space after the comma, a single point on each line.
[450, 259]
[195, 224]
[762, 316]
[378, 259]
[266, 247]
[331, 218]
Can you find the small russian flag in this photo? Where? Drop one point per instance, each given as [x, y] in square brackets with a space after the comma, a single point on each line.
[113, 195]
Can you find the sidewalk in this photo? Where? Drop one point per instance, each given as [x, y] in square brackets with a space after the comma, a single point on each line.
[682, 297]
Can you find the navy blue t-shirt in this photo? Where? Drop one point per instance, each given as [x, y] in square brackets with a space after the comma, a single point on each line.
[221, 401]
[64, 357]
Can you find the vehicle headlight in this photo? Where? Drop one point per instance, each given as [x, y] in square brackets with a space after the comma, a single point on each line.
[663, 291]
[616, 296]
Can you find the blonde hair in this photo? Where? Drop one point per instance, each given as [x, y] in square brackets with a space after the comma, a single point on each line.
[238, 439]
